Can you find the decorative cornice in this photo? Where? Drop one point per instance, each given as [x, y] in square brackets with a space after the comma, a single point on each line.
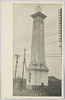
[38, 14]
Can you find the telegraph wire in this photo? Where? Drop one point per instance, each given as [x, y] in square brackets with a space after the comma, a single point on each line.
[30, 38]
[52, 56]
[44, 36]
[27, 43]
[45, 33]
[52, 42]
[52, 31]
[46, 55]
[51, 34]
[45, 44]
[51, 26]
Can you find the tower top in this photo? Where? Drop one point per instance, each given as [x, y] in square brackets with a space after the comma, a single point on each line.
[38, 13]
[38, 8]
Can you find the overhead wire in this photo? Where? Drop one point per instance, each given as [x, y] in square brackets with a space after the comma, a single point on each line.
[45, 35]
[53, 24]
[28, 38]
[46, 55]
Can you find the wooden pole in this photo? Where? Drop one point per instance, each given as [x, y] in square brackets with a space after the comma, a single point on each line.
[23, 67]
[17, 56]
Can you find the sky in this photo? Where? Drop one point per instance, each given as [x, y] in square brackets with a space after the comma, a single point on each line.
[23, 26]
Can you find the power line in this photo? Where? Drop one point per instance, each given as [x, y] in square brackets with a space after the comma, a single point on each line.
[47, 55]
[46, 35]
[45, 44]
[53, 26]
[52, 42]
[26, 41]
[29, 45]
[51, 34]
[53, 23]
[52, 56]
[34, 36]
[52, 31]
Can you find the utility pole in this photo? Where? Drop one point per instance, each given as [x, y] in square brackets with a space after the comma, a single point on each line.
[17, 56]
[24, 61]
[60, 30]
[60, 27]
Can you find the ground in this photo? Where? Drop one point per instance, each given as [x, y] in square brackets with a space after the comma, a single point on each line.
[53, 89]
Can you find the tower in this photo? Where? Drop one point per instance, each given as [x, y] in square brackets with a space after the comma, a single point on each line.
[38, 44]
[37, 70]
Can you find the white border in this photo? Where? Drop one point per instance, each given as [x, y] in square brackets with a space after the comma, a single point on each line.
[3, 50]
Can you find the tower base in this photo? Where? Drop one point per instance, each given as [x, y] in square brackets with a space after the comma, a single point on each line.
[37, 75]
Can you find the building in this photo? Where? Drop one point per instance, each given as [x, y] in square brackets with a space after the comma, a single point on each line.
[37, 72]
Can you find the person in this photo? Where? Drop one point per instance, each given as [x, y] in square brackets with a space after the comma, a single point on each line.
[42, 86]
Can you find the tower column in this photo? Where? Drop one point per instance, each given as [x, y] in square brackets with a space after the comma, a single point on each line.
[38, 44]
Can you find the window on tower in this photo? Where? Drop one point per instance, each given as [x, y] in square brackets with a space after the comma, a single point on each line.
[29, 77]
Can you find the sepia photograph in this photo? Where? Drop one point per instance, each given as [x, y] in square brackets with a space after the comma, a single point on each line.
[32, 62]
[37, 49]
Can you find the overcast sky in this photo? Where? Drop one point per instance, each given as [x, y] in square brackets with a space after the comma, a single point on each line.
[23, 34]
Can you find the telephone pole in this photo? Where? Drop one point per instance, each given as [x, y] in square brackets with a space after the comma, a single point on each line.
[17, 56]
[24, 61]
[60, 27]
[60, 30]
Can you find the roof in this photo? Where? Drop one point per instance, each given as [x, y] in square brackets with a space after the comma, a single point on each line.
[38, 14]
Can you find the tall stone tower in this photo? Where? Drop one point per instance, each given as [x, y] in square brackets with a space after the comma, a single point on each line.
[37, 70]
